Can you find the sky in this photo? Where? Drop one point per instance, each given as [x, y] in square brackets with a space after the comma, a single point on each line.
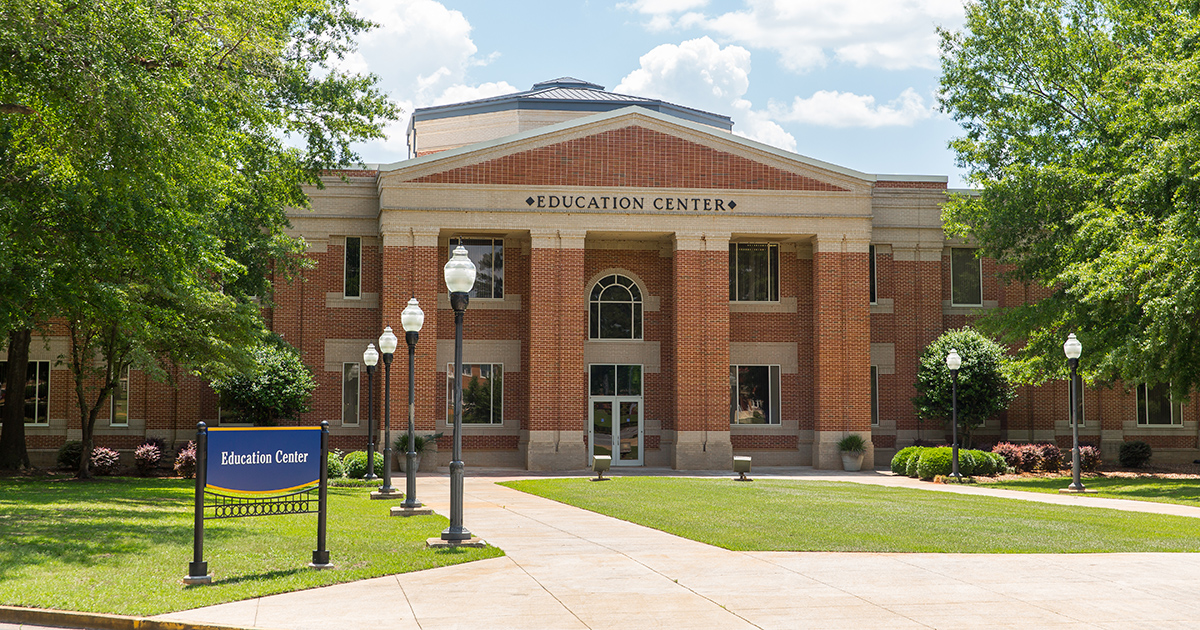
[851, 82]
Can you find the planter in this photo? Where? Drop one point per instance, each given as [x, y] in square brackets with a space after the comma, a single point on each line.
[852, 462]
[402, 461]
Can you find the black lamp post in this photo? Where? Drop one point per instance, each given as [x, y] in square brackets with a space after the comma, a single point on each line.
[387, 344]
[460, 277]
[953, 361]
[1072, 348]
[370, 358]
[412, 318]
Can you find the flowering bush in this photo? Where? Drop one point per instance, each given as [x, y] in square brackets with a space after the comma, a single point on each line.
[1010, 452]
[1031, 458]
[185, 461]
[1052, 456]
[146, 458]
[105, 461]
[1089, 458]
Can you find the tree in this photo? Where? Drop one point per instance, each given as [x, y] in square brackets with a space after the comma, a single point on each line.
[279, 385]
[983, 389]
[1082, 133]
[144, 180]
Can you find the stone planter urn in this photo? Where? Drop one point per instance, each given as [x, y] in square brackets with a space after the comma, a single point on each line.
[852, 447]
[402, 461]
[852, 462]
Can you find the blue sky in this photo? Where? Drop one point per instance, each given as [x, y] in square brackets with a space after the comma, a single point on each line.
[852, 82]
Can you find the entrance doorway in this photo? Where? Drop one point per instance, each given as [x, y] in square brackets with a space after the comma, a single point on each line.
[615, 404]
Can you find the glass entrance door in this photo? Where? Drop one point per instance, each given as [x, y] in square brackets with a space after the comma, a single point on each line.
[615, 426]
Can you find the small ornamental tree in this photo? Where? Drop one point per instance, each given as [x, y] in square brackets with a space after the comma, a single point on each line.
[983, 389]
[279, 385]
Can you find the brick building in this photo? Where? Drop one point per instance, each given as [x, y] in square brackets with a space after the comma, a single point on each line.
[651, 286]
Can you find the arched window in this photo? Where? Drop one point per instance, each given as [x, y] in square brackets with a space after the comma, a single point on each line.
[616, 309]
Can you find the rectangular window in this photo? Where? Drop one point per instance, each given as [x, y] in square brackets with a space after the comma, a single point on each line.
[874, 395]
[753, 272]
[350, 394]
[966, 278]
[754, 394]
[120, 402]
[37, 391]
[482, 393]
[1155, 407]
[353, 279]
[871, 273]
[488, 256]
[1078, 403]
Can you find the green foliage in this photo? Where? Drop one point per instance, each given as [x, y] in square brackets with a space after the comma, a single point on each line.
[900, 459]
[356, 464]
[983, 389]
[1082, 132]
[934, 461]
[853, 443]
[1134, 454]
[914, 460]
[421, 443]
[278, 385]
[69, 454]
[967, 464]
[334, 468]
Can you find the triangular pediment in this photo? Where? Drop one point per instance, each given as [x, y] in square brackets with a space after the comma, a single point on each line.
[633, 149]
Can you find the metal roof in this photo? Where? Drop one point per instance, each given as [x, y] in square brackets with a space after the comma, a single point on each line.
[570, 94]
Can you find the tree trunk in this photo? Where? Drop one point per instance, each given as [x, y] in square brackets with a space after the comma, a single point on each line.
[12, 430]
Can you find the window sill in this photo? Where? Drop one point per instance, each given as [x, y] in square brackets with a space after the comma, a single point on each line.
[510, 302]
[785, 305]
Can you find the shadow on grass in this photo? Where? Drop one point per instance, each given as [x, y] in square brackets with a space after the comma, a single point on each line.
[250, 577]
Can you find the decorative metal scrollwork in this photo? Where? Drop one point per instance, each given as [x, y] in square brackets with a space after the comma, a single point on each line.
[225, 506]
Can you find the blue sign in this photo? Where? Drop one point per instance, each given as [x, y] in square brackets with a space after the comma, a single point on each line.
[263, 460]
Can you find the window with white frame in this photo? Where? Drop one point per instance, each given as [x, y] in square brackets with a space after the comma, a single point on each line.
[488, 256]
[753, 272]
[871, 273]
[37, 391]
[352, 282]
[120, 402]
[754, 394]
[350, 385]
[1155, 407]
[966, 277]
[874, 395]
[482, 393]
[615, 309]
[1078, 403]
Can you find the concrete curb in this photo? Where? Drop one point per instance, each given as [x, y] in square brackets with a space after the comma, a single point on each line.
[95, 621]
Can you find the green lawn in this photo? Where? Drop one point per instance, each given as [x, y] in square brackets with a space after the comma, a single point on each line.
[786, 515]
[121, 545]
[1181, 491]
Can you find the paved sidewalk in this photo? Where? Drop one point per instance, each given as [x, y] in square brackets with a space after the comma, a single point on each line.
[568, 568]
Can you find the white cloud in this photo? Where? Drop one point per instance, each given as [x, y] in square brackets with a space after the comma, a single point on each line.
[464, 93]
[700, 73]
[891, 34]
[844, 109]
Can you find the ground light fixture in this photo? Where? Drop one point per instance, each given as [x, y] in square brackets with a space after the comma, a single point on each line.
[460, 278]
[411, 319]
[387, 345]
[370, 359]
[1072, 348]
[953, 361]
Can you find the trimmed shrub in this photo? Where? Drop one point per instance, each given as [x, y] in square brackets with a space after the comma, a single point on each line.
[1031, 458]
[160, 443]
[185, 461]
[69, 455]
[356, 464]
[1010, 452]
[985, 463]
[900, 459]
[146, 457]
[910, 469]
[934, 462]
[967, 464]
[1051, 456]
[335, 468]
[105, 461]
[1133, 454]
[1089, 458]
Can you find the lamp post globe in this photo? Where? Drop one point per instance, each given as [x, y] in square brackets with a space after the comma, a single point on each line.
[387, 345]
[460, 278]
[411, 319]
[954, 362]
[1073, 349]
[370, 359]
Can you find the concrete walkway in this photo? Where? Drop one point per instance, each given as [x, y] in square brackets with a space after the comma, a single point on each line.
[569, 568]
